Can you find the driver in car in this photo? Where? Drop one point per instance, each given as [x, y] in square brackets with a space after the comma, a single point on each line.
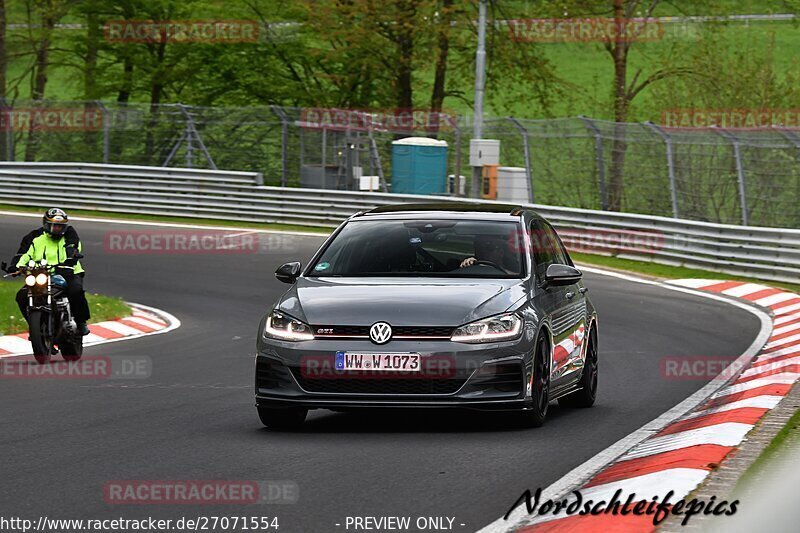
[488, 248]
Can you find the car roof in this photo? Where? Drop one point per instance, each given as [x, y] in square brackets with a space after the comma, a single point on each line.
[471, 210]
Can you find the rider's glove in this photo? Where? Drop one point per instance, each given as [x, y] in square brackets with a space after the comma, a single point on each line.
[12, 271]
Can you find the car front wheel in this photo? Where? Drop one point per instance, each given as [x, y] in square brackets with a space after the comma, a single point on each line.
[540, 385]
[588, 383]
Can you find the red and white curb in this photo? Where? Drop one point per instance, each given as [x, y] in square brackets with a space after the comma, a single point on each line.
[143, 321]
[678, 456]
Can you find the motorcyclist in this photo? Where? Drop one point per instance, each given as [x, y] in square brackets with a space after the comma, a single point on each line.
[58, 243]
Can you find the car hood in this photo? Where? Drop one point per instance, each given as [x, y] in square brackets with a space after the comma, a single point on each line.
[400, 302]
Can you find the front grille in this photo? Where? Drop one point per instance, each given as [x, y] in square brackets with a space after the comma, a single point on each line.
[271, 374]
[422, 331]
[397, 331]
[349, 384]
[341, 331]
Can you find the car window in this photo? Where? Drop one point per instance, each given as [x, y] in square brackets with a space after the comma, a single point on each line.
[423, 248]
[559, 252]
[542, 248]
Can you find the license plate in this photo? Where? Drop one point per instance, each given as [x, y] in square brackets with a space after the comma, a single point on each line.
[385, 362]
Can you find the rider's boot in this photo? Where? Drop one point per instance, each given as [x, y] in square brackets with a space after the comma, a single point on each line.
[83, 329]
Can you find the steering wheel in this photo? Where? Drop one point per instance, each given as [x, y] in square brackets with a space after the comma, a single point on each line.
[487, 263]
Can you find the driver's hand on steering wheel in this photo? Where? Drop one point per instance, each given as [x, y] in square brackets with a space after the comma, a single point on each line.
[469, 261]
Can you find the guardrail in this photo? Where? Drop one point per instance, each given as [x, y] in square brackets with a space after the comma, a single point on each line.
[766, 253]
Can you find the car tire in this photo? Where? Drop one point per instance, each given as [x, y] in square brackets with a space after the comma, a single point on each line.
[540, 387]
[291, 418]
[585, 397]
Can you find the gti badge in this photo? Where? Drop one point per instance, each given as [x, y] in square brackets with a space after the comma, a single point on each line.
[380, 332]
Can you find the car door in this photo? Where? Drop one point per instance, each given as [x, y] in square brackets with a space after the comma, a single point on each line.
[569, 320]
[550, 298]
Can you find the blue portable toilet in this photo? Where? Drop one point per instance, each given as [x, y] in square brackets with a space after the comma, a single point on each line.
[419, 166]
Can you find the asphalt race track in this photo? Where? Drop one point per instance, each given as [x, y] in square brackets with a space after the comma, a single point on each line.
[63, 440]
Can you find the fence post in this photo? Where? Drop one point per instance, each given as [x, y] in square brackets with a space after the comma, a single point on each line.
[9, 131]
[527, 151]
[673, 189]
[106, 129]
[188, 137]
[284, 143]
[324, 149]
[457, 173]
[737, 154]
[191, 134]
[598, 154]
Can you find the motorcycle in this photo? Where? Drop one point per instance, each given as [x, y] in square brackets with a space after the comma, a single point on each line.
[52, 327]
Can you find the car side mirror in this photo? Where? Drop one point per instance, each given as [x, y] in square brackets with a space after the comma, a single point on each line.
[289, 272]
[558, 275]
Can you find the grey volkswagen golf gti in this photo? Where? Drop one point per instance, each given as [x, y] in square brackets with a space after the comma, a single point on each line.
[430, 305]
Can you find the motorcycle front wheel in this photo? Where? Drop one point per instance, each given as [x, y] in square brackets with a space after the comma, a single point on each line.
[40, 337]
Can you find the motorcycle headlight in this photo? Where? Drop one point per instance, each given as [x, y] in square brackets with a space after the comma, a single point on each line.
[284, 327]
[30, 280]
[495, 328]
[41, 279]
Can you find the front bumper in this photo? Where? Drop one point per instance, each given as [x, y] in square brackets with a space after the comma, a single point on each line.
[454, 375]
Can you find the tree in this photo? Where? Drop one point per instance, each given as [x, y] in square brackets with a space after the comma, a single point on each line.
[42, 16]
[625, 87]
[3, 68]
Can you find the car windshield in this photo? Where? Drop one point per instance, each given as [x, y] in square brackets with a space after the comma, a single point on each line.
[434, 248]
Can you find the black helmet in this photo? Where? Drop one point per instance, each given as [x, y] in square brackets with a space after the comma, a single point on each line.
[54, 222]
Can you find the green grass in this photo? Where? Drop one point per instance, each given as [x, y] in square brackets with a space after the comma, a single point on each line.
[773, 451]
[11, 321]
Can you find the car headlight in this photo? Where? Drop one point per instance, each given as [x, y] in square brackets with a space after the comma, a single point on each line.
[284, 327]
[30, 280]
[492, 329]
[41, 279]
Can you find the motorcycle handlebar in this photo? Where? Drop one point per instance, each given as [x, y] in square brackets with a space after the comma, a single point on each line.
[5, 267]
[26, 269]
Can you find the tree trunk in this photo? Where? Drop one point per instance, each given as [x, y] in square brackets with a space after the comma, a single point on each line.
[40, 72]
[155, 99]
[43, 56]
[156, 91]
[443, 45]
[619, 53]
[92, 40]
[4, 132]
[90, 94]
[125, 89]
[405, 42]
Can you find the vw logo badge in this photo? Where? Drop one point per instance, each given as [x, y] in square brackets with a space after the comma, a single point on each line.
[380, 332]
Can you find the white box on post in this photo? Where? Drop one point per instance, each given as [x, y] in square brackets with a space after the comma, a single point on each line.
[369, 183]
[484, 152]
